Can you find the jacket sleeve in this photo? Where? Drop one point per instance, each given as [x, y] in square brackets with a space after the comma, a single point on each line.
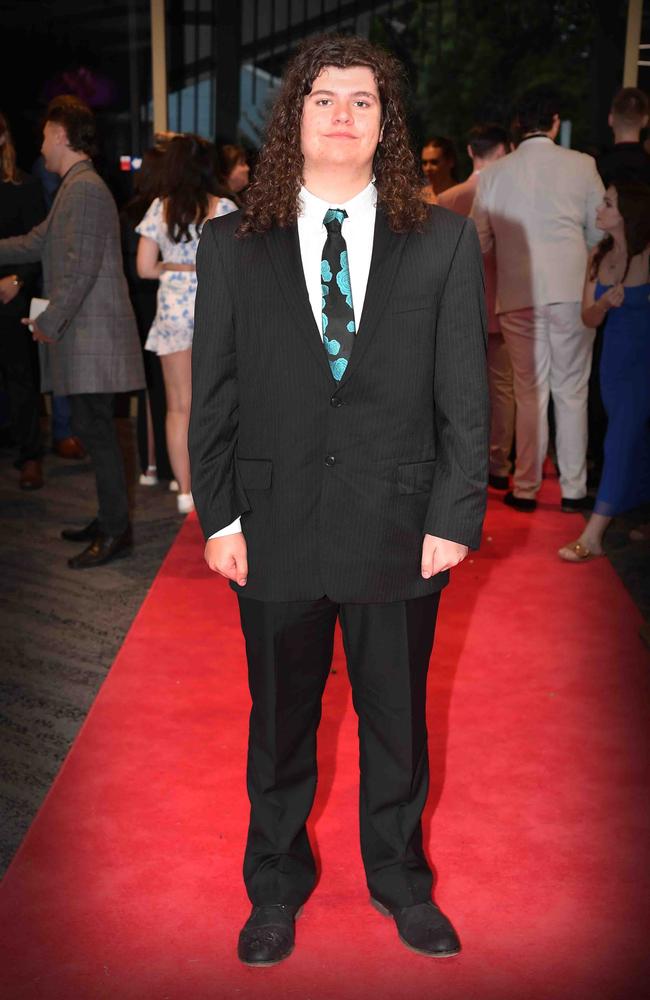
[23, 249]
[81, 246]
[481, 218]
[218, 496]
[460, 393]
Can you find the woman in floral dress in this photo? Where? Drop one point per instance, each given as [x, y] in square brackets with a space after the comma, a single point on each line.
[169, 237]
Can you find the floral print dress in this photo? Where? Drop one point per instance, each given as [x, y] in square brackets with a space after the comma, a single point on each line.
[173, 325]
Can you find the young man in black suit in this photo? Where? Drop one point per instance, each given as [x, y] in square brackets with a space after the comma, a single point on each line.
[339, 441]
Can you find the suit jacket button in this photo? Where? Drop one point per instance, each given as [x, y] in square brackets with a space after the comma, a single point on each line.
[330, 461]
[336, 402]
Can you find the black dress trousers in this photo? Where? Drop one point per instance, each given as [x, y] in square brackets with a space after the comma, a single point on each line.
[93, 422]
[289, 649]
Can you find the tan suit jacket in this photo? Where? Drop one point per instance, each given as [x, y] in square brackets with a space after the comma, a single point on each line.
[537, 206]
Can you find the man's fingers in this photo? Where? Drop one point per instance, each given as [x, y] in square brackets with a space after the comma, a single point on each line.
[439, 555]
[228, 557]
[428, 554]
[241, 570]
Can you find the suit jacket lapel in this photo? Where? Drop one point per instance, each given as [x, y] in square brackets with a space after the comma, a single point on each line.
[387, 250]
[284, 250]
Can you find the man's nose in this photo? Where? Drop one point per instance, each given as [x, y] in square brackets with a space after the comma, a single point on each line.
[342, 113]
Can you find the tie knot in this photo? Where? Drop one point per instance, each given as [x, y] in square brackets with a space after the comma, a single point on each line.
[334, 219]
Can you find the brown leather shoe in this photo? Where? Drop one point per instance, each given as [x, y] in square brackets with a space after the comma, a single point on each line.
[31, 475]
[70, 447]
[103, 549]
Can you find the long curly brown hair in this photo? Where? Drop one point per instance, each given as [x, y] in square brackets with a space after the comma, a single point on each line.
[634, 205]
[272, 198]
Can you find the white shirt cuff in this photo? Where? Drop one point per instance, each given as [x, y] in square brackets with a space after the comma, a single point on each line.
[230, 529]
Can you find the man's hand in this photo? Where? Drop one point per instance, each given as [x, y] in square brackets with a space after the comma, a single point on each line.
[9, 288]
[439, 554]
[37, 334]
[228, 556]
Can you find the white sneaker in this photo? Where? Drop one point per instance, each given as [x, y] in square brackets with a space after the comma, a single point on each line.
[185, 503]
[173, 486]
[150, 477]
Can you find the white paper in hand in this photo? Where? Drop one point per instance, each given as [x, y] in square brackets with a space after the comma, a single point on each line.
[36, 307]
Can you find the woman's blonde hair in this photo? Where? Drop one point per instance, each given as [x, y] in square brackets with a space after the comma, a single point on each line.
[8, 170]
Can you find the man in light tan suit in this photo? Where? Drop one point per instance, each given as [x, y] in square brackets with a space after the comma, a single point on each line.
[537, 206]
[487, 144]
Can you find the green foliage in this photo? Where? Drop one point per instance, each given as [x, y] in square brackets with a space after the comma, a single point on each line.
[469, 60]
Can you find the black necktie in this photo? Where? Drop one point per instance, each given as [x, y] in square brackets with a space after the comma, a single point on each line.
[339, 328]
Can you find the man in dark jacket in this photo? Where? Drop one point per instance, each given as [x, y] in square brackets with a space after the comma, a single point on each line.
[627, 159]
[339, 440]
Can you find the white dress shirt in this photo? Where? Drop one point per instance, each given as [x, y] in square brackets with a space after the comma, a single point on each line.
[358, 232]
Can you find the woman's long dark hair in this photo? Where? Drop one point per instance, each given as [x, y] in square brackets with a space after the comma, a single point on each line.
[272, 198]
[634, 206]
[188, 178]
[147, 183]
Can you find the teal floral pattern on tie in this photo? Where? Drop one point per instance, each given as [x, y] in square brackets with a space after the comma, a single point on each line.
[339, 327]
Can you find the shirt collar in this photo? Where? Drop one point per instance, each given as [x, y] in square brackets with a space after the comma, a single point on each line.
[314, 209]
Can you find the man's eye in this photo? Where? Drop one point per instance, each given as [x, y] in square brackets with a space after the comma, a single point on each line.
[362, 104]
[323, 100]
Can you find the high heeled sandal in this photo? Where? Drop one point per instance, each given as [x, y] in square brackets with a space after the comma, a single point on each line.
[576, 552]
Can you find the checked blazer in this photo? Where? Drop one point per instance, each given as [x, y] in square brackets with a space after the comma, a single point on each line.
[337, 482]
[90, 317]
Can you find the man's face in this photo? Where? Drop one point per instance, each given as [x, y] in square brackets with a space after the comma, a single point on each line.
[53, 146]
[434, 163]
[341, 119]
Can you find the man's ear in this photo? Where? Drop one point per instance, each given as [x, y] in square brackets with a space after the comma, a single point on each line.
[59, 133]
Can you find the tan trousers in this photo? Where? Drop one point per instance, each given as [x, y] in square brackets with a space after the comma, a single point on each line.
[550, 350]
[502, 405]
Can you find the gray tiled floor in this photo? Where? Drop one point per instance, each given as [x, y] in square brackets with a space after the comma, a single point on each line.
[59, 629]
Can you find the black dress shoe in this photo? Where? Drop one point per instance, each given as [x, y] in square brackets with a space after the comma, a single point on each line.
[520, 503]
[423, 928]
[571, 506]
[498, 482]
[269, 934]
[103, 549]
[87, 534]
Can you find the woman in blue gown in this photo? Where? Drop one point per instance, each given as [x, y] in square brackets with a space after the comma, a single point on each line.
[617, 291]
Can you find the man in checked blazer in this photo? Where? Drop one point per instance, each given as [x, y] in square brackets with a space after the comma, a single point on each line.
[339, 483]
[89, 340]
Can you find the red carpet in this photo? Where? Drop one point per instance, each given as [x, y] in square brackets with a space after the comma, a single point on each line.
[128, 883]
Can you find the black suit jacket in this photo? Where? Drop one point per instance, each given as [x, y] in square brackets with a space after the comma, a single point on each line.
[337, 482]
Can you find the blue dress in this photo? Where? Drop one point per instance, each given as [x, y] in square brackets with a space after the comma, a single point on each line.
[625, 389]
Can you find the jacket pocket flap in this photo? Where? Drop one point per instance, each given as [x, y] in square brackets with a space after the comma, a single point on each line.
[409, 303]
[416, 477]
[255, 474]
